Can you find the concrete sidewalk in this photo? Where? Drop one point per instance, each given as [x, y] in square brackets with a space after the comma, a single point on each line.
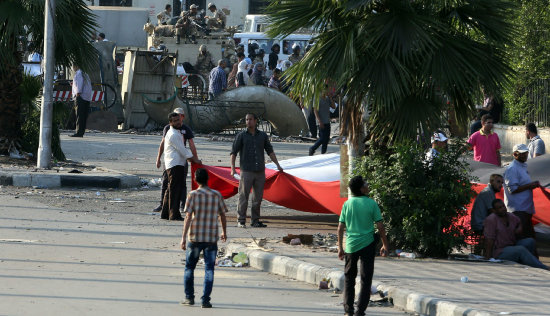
[55, 178]
[424, 286]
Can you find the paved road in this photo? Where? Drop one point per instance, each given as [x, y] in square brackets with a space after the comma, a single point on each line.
[70, 251]
[66, 261]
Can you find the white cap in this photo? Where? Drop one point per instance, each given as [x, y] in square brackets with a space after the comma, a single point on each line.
[438, 137]
[179, 111]
[211, 5]
[521, 148]
[193, 6]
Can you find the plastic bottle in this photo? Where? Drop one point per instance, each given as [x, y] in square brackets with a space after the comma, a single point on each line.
[408, 255]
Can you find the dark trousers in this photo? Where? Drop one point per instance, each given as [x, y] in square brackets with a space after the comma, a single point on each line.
[366, 271]
[255, 181]
[82, 109]
[312, 123]
[324, 137]
[165, 187]
[172, 198]
[528, 231]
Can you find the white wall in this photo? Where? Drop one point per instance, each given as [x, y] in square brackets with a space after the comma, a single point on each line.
[238, 8]
[153, 6]
[122, 25]
[510, 135]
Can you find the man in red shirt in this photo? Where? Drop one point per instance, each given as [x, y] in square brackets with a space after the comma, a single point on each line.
[501, 230]
[485, 142]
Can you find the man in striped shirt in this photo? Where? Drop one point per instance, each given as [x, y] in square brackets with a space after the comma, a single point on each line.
[202, 209]
[218, 80]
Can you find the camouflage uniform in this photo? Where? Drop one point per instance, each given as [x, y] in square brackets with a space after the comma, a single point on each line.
[205, 63]
[218, 21]
[184, 27]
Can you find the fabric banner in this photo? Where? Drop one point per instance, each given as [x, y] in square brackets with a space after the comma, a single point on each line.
[312, 184]
[308, 184]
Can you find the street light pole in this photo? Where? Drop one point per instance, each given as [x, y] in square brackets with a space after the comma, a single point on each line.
[46, 112]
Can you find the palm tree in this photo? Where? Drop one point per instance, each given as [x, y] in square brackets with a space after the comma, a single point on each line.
[403, 59]
[22, 21]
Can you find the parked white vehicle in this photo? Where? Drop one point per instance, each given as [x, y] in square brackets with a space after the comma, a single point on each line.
[254, 32]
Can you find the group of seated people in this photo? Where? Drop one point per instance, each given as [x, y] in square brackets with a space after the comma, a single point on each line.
[502, 233]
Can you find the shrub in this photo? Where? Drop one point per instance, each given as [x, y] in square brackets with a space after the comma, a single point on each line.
[30, 90]
[420, 204]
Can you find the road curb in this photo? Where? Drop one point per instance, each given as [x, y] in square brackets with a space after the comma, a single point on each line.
[311, 273]
[45, 180]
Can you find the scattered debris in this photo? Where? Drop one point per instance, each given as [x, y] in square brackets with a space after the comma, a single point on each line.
[304, 239]
[295, 242]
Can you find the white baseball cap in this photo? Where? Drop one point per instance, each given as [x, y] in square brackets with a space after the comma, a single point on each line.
[179, 111]
[438, 137]
[521, 148]
[193, 6]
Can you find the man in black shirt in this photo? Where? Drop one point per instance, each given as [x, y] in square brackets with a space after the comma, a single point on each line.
[250, 144]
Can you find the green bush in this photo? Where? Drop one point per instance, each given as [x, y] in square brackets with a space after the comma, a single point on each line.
[420, 204]
[30, 90]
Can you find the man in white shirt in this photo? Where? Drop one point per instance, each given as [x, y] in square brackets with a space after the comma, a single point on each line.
[439, 142]
[175, 157]
[82, 94]
[536, 144]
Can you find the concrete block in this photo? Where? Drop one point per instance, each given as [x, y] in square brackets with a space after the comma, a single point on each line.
[45, 180]
[21, 180]
[129, 181]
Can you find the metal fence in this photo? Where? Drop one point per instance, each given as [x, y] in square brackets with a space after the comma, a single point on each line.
[538, 97]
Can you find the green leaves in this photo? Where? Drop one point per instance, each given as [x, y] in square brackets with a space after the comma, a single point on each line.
[400, 56]
[421, 204]
[74, 24]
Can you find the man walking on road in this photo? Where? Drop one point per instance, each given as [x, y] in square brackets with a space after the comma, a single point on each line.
[175, 160]
[250, 144]
[82, 94]
[485, 142]
[323, 117]
[188, 136]
[359, 214]
[218, 80]
[202, 209]
[518, 190]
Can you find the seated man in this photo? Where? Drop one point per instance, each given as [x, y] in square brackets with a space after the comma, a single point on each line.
[500, 230]
[483, 203]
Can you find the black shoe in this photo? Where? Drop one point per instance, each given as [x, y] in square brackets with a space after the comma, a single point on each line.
[158, 208]
[258, 224]
[311, 151]
[188, 302]
[76, 135]
[206, 305]
[178, 39]
[241, 224]
[177, 219]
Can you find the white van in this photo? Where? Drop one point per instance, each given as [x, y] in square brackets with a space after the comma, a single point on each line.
[254, 28]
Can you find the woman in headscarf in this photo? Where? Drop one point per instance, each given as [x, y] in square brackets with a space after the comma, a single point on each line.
[257, 74]
[242, 74]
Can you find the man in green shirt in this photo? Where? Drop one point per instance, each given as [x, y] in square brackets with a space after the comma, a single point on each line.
[359, 214]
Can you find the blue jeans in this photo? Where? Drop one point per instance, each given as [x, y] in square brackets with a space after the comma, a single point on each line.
[522, 252]
[192, 257]
[324, 137]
